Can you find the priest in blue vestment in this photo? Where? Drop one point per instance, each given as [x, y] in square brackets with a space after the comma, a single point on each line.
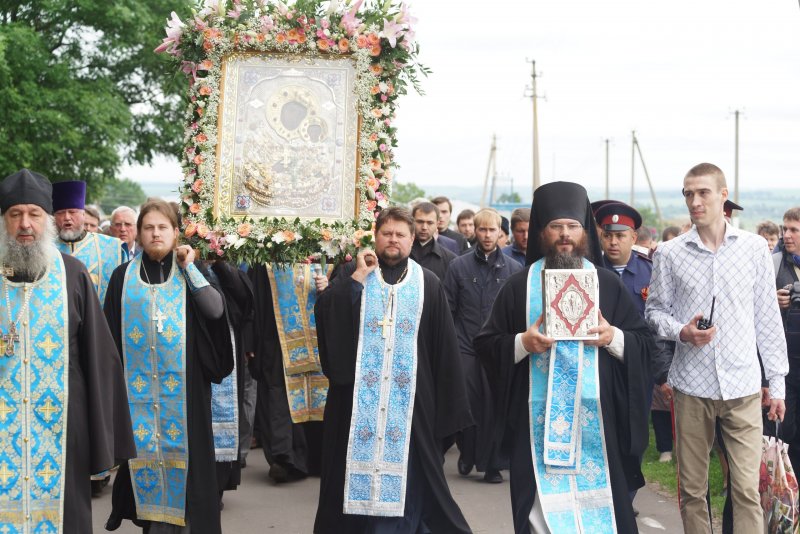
[532, 375]
[388, 347]
[63, 406]
[172, 331]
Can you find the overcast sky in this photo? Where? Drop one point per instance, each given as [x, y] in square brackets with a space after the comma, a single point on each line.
[673, 71]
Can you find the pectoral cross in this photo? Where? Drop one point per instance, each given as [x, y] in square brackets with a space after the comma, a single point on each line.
[159, 319]
[386, 325]
[10, 339]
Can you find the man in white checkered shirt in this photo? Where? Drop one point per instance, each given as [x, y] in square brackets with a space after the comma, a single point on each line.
[715, 372]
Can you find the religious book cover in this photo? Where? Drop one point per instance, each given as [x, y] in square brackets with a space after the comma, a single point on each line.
[570, 303]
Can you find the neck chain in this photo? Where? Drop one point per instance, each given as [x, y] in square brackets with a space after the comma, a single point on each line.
[12, 337]
[156, 315]
[387, 321]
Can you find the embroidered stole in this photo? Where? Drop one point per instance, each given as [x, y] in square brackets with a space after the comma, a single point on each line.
[225, 406]
[566, 430]
[293, 297]
[101, 254]
[383, 395]
[33, 399]
[155, 373]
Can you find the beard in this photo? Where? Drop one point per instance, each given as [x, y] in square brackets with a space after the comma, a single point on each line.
[70, 235]
[28, 261]
[555, 259]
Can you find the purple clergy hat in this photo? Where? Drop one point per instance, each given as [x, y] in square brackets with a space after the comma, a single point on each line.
[69, 195]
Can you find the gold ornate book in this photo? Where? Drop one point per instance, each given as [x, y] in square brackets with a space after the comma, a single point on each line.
[570, 303]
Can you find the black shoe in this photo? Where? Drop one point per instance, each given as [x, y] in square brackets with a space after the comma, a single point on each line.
[464, 468]
[493, 476]
[278, 473]
[243, 463]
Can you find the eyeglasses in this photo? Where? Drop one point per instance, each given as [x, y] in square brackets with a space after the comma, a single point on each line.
[571, 227]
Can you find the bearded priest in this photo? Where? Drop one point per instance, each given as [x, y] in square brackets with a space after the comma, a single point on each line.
[63, 409]
[607, 376]
[100, 253]
[171, 329]
[388, 347]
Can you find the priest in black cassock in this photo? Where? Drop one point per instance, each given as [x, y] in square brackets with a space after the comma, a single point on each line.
[63, 408]
[171, 329]
[292, 449]
[389, 349]
[589, 491]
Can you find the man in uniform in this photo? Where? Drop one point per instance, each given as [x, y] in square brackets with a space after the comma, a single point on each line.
[389, 349]
[63, 408]
[609, 427]
[101, 254]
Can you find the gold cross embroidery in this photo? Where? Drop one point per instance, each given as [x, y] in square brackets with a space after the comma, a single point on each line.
[171, 384]
[139, 384]
[5, 409]
[173, 432]
[5, 474]
[48, 346]
[170, 334]
[136, 335]
[47, 473]
[141, 432]
[48, 410]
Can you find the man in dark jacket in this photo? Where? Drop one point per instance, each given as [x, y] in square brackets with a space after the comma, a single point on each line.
[427, 251]
[471, 284]
[445, 208]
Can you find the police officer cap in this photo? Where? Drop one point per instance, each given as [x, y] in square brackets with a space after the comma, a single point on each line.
[26, 187]
[618, 217]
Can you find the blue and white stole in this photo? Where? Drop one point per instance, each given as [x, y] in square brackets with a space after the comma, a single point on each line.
[101, 254]
[566, 430]
[383, 395]
[154, 351]
[293, 297]
[225, 406]
[34, 379]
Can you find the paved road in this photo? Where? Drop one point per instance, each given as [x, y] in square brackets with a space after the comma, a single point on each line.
[262, 506]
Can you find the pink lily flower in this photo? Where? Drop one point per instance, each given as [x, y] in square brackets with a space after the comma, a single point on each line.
[391, 31]
[349, 21]
[173, 39]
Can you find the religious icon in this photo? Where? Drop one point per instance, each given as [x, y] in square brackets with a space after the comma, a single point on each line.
[288, 137]
[570, 299]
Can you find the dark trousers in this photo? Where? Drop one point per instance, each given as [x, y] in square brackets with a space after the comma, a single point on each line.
[662, 427]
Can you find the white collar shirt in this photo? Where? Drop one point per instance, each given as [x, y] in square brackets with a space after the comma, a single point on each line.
[686, 276]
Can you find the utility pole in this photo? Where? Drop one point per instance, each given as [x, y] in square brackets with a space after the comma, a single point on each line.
[607, 178]
[534, 97]
[633, 160]
[491, 170]
[649, 182]
[736, 162]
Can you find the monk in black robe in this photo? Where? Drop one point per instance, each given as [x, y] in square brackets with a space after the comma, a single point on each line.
[99, 431]
[623, 378]
[440, 409]
[238, 293]
[209, 358]
[293, 450]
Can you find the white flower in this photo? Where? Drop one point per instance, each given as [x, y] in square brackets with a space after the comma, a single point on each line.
[278, 237]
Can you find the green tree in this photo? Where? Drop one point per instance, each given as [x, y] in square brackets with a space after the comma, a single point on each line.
[82, 90]
[509, 198]
[405, 193]
[649, 217]
[121, 193]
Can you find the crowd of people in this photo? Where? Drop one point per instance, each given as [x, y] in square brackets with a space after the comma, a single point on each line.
[125, 355]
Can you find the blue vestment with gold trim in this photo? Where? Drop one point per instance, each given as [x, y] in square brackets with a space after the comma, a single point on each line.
[100, 253]
[34, 378]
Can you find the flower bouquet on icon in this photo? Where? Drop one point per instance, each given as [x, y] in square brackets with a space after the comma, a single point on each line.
[289, 141]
